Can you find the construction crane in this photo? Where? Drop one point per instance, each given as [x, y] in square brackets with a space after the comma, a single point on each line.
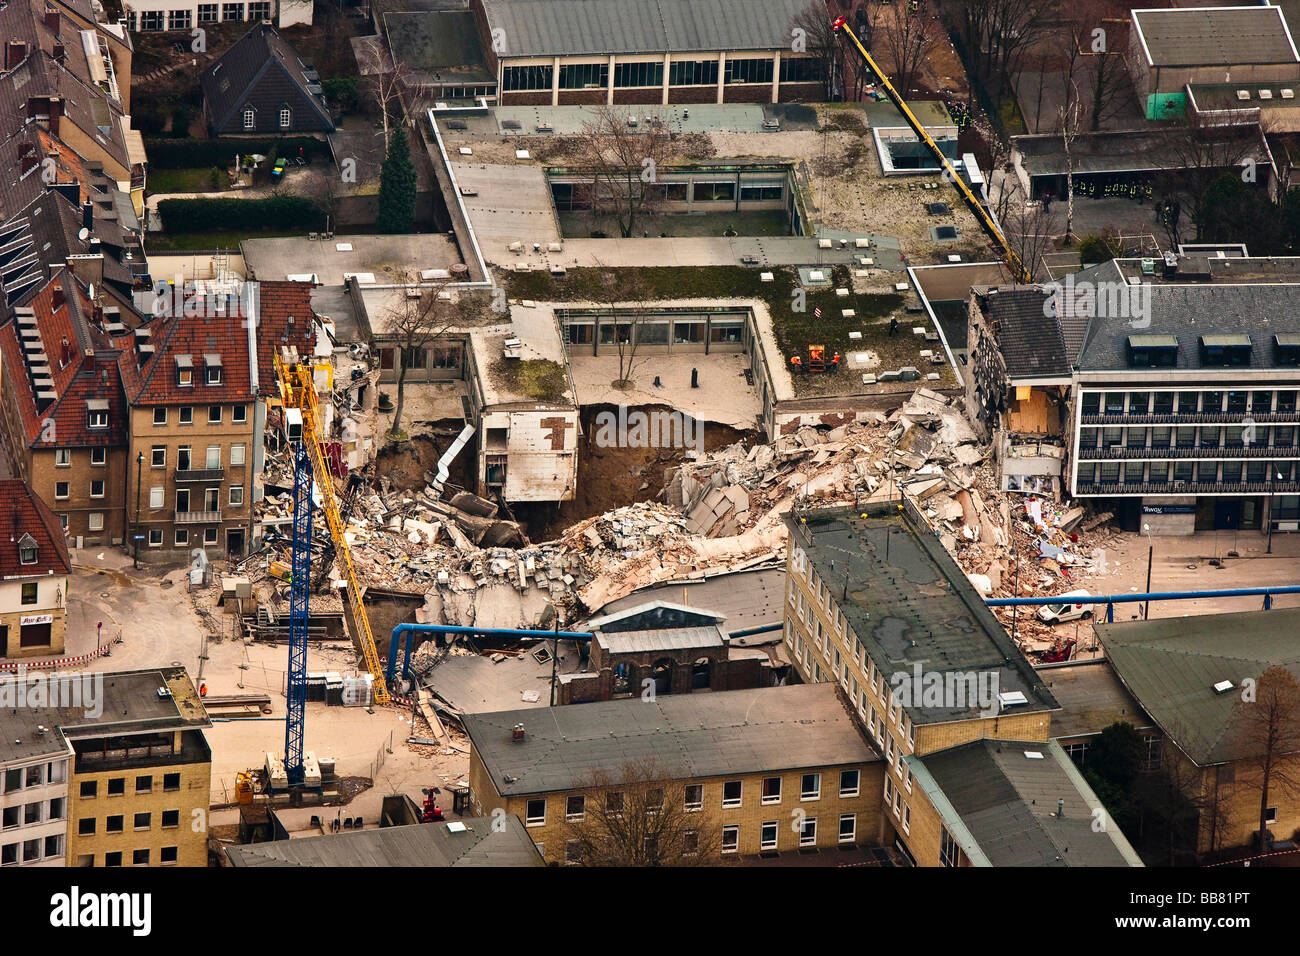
[1018, 269]
[299, 616]
[298, 392]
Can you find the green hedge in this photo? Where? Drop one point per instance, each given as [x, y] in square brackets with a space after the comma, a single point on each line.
[202, 153]
[205, 215]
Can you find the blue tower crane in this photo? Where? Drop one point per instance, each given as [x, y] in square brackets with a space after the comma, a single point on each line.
[299, 595]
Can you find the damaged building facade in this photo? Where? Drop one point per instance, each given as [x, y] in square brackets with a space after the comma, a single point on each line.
[1018, 385]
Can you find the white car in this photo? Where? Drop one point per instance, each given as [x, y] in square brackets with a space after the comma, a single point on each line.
[1070, 609]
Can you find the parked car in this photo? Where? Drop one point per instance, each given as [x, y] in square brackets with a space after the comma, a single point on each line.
[1070, 608]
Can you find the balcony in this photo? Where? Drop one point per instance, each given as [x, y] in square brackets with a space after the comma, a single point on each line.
[198, 517]
[200, 474]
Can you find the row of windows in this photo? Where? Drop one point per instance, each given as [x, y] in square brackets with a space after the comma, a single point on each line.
[1163, 472]
[63, 457]
[653, 333]
[29, 814]
[238, 414]
[181, 537]
[153, 20]
[211, 498]
[1237, 401]
[63, 489]
[185, 461]
[1188, 436]
[250, 122]
[769, 837]
[578, 76]
[32, 851]
[116, 786]
[166, 855]
[810, 788]
[37, 775]
[116, 823]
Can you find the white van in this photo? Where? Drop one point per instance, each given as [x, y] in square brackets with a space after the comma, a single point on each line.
[1067, 610]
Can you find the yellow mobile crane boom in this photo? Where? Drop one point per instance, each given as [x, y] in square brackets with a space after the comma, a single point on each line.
[297, 390]
[1013, 261]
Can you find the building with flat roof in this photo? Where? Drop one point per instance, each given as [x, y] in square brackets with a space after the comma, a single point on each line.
[468, 842]
[1194, 683]
[741, 759]
[1009, 803]
[1169, 49]
[153, 16]
[553, 52]
[100, 751]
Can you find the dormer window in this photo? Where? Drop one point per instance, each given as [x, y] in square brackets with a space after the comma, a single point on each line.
[212, 369]
[1225, 350]
[27, 553]
[97, 413]
[184, 371]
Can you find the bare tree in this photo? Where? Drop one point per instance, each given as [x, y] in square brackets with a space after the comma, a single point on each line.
[997, 33]
[810, 32]
[1191, 160]
[1069, 118]
[624, 162]
[1267, 727]
[639, 817]
[626, 297]
[423, 313]
[384, 80]
[1028, 228]
[1093, 68]
[906, 36]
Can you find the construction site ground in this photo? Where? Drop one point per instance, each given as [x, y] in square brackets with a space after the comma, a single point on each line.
[160, 625]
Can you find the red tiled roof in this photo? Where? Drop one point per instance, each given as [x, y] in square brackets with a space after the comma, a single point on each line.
[81, 371]
[156, 382]
[285, 317]
[22, 512]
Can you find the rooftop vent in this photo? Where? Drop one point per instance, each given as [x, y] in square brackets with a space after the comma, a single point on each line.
[517, 734]
[1012, 698]
[1265, 94]
[1287, 94]
[1243, 95]
[1223, 686]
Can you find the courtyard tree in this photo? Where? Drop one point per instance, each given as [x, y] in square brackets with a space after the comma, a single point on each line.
[811, 33]
[906, 37]
[625, 298]
[423, 313]
[638, 817]
[621, 156]
[397, 188]
[1266, 727]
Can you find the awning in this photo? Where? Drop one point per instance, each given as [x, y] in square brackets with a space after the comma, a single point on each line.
[1226, 341]
[184, 361]
[97, 404]
[211, 360]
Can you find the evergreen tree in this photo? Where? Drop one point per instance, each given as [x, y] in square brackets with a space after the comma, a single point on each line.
[397, 188]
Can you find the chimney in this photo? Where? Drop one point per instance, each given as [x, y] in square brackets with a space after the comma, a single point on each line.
[57, 299]
[88, 214]
[15, 53]
[52, 20]
[517, 735]
[29, 162]
[59, 52]
[65, 353]
[56, 111]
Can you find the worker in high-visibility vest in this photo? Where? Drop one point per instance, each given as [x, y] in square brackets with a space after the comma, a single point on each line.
[796, 361]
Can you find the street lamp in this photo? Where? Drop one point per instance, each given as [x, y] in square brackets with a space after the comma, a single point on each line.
[135, 535]
[1146, 605]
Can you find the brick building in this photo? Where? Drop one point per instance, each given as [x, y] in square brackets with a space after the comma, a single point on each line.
[744, 760]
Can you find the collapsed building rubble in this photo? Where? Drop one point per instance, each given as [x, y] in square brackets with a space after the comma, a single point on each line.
[721, 512]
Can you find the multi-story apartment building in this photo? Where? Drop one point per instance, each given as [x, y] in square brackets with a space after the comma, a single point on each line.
[104, 769]
[1186, 410]
[141, 773]
[35, 762]
[749, 762]
[63, 416]
[34, 572]
[190, 381]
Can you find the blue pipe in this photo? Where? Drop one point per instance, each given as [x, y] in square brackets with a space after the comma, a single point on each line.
[1152, 596]
[407, 629]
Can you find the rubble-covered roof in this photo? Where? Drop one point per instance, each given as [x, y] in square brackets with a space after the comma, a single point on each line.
[1172, 664]
[686, 737]
[911, 606]
[480, 843]
[1028, 334]
[998, 800]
